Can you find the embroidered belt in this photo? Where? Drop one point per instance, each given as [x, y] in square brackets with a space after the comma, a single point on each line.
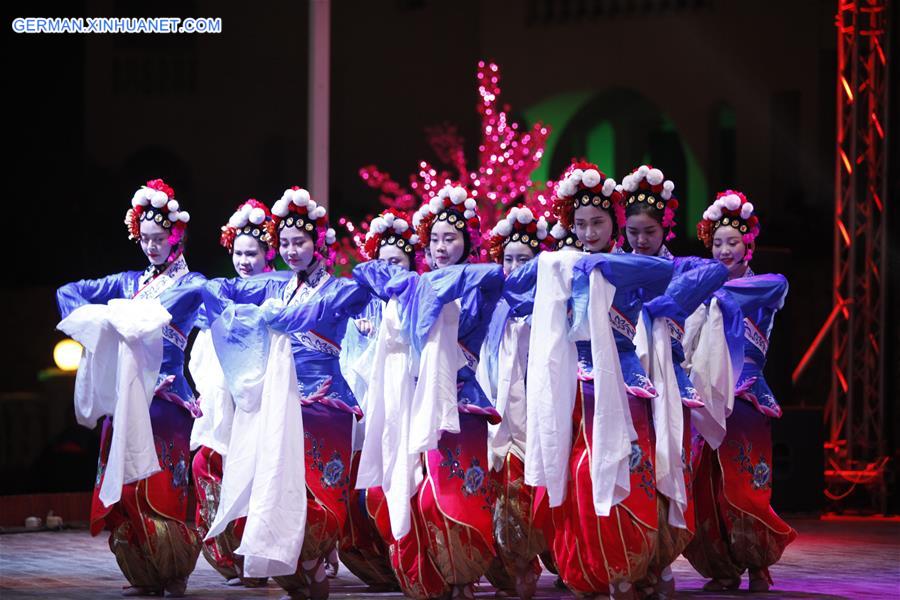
[314, 341]
[755, 336]
[471, 359]
[621, 323]
[676, 331]
[174, 336]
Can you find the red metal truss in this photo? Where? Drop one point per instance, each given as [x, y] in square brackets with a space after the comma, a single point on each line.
[855, 413]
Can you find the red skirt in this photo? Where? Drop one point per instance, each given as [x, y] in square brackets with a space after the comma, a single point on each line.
[450, 541]
[672, 540]
[737, 529]
[594, 553]
[219, 551]
[148, 534]
[327, 439]
[362, 548]
[517, 533]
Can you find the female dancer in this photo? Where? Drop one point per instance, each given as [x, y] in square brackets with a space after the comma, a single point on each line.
[603, 509]
[443, 541]
[145, 512]
[249, 237]
[514, 242]
[390, 239]
[737, 529]
[313, 306]
[650, 217]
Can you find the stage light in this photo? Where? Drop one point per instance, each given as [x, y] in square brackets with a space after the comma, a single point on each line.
[67, 355]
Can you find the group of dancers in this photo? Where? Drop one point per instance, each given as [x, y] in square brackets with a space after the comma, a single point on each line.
[559, 392]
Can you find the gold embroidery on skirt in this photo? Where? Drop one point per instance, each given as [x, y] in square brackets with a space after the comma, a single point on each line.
[458, 560]
[169, 552]
[670, 542]
[226, 542]
[316, 546]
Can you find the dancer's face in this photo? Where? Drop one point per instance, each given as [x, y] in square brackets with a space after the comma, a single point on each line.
[447, 244]
[593, 227]
[644, 233]
[296, 248]
[155, 242]
[248, 256]
[515, 255]
[728, 247]
[393, 255]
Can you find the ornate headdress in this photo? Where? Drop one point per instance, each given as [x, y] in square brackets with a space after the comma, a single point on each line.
[648, 186]
[296, 209]
[391, 228]
[565, 238]
[519, 225]
[452, 204]
[156, 202]
[254, 219]
[584, 184]
[730, 209]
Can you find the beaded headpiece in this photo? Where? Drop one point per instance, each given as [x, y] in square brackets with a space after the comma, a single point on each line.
[730, 209]
[296, 209]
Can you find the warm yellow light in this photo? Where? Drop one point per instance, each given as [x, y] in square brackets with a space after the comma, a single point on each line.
[67, 355]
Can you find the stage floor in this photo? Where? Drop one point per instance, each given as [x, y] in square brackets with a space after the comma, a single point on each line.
[830, 559]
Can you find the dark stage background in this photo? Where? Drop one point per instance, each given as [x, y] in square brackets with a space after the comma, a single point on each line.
[716, 93]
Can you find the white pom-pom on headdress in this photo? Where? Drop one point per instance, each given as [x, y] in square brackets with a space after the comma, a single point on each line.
[300, 197]
[470, 203]
[591, 178]
[437, 202]
[732, 202]
[400, 225]
[457, 195]
[184, 216]
[330, 236]
[630, 183]
[609, 186]
[715, 213]
[469, 214]
[280, 208]
[654, 177]
[172, 205]
[503, 228]
[642, 171]
[257, 216]
[444, 192]
[158, 199]
[236, 221]
[668, 185]
[525, 215]
[746, 210]
[541, 228]
[389, 218]
[558, 231]
[378, 225]
[566, 189]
